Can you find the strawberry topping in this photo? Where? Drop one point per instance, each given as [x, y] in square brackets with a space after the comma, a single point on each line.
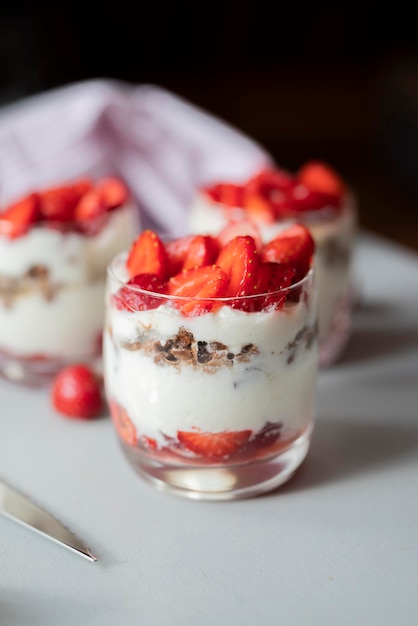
[148, 256]
[239, 261]
[320, 177]
[202, 250]
[293, 246]
[196, 285]
[20, 216]
[130, 299]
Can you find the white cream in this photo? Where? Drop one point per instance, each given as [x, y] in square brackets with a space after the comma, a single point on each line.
[162, 399]
[68, 324]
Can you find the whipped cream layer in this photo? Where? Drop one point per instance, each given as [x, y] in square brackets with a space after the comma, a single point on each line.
[332, 231]
[268, 381]
[59, 313]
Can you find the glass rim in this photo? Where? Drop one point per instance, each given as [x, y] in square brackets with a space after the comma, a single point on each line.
[111, 273]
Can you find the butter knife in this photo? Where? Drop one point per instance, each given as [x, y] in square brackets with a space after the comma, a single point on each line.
[20, 508]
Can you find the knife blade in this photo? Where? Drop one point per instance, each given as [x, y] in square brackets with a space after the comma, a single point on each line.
[22, 509]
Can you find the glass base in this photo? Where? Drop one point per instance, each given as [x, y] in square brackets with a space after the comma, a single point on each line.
[33, 372]
[221, 481]
[333, 344]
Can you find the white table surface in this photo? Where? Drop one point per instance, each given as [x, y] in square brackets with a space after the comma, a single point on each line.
[337, 545]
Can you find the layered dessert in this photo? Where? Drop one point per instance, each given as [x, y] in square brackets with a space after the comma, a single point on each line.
[55, 245]
[210, 359]
[268, 202]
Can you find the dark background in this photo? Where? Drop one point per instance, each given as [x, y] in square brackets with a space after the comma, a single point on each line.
[336, 81]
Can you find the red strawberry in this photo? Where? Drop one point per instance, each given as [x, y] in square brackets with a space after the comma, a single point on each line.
[270, 180]
[113, 192]
[319, 176]
[176, 252]
[123, 424]
[198, 284]
[89, 206]
[148, 256]
[202, 250]
[214, 445]
[128, 299]
[239, 261]
[19, 216]
[58, 203]
[258, 208]
[302, 199]
[228, 194]
[293, 246]
[240, 227]
[273, 278]
[76, 392]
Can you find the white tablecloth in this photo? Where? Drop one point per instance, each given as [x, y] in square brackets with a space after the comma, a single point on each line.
[337, 545]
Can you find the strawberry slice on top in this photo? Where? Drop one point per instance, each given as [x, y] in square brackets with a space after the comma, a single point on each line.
[320, 177]
[214, 445]
[273, 280]
[148, 256]
[130, 299]
[198, 286]
[113, 192]
[19, 216]
[235, 228]
[239, 261]
[293, 246]
[201, 250]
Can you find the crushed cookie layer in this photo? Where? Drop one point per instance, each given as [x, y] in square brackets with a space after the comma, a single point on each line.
[184, 348]
[36, 278]
[303, 339]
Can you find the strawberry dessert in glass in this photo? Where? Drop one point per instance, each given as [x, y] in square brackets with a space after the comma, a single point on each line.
[55, 245]
[269, 201]
[210, 360]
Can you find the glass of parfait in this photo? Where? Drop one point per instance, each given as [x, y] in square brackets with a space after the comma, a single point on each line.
[210, 361]
[268, 202]
[55, 245]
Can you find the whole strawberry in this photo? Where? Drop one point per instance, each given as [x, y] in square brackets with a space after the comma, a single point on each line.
[76, 392]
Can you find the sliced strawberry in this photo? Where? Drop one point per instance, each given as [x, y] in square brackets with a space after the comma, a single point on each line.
[214, 445]
[239, 261]
[293, 246]
[270, 180]
[258, 208]
[58, 203]
[198, 285]
[19, 216]
[302, 199]
[202, 250]
[319, 176]
[274, 279]
[113, 191]
[228, 194]
[123, 424]
[90, 205]
[148, 256]
[176, 250]
[240, 227]
[130, 299]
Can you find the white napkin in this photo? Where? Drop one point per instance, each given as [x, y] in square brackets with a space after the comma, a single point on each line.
[162, 146]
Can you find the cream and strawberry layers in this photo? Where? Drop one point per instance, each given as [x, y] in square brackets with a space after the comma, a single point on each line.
[55, 246]
[210, 351]
[270, 201]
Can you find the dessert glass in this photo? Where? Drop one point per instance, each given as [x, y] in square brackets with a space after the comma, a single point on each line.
[52, 285]
[219, 405]
[333, 230]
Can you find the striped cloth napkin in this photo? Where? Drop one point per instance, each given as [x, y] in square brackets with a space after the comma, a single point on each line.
[161, 145]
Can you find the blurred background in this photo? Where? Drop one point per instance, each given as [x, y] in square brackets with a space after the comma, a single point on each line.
[334, 81]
